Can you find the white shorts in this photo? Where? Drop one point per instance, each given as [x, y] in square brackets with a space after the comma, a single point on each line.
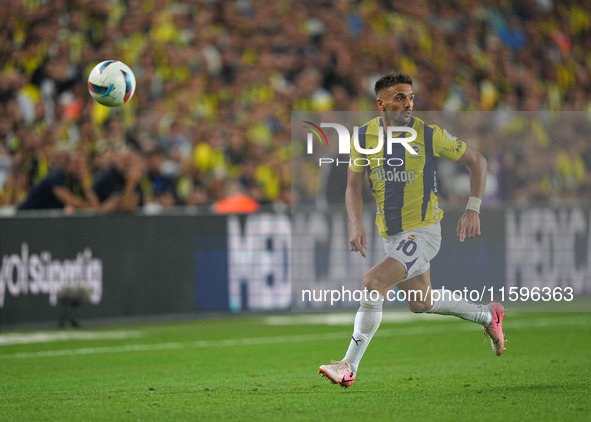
[414, 248]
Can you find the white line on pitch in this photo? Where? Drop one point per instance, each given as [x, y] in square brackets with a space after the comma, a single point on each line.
[340, 318]
[51, 336]
[252, 341]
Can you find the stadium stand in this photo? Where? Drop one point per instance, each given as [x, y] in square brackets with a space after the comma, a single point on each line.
[217, 81]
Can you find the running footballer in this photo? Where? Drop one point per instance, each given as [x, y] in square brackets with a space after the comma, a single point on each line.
[408, 219]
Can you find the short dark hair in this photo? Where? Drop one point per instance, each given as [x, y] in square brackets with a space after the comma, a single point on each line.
[392, 79]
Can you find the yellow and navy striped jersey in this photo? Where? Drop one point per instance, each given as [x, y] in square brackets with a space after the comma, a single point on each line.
[404, 185]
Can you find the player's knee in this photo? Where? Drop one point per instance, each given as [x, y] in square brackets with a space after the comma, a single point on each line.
[418, 307]
[371, 283]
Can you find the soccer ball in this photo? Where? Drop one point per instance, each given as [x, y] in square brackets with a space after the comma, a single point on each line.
[111, 83]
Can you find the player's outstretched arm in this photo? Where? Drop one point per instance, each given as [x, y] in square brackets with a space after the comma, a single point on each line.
[354, 204]
[469, 224]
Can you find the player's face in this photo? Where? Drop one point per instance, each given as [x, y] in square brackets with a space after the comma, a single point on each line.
[397, 103]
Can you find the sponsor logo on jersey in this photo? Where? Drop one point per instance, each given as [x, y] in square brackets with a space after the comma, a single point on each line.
[395, 175]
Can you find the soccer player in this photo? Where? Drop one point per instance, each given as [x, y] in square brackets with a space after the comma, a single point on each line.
[408, 218]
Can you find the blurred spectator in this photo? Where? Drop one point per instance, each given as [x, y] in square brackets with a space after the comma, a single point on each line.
[16, 183]
[118, 187]
[67, 186]
[235, 201]
[159, 185]
[512, 34]
[571, 168]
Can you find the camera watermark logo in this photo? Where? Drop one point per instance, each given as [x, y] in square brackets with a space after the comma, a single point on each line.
[344, 143]
[318, 132]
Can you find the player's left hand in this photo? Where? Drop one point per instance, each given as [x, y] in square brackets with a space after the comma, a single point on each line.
[469, 225]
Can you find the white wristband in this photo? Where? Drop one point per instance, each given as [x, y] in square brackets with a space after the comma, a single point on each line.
[474, 204]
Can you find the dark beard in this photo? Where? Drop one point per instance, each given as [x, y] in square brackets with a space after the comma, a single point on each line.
[396, 118]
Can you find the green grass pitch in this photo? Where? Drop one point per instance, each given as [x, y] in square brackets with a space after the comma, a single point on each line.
[244, 369]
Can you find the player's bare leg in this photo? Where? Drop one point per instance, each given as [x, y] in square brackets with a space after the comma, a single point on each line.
[376, 284]
[418, 292]
[490, 317]
[379, 280]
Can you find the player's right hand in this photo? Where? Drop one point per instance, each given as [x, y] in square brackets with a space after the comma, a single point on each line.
[358, 240]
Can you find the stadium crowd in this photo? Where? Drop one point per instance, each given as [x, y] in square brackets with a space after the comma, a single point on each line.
[217, 80]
